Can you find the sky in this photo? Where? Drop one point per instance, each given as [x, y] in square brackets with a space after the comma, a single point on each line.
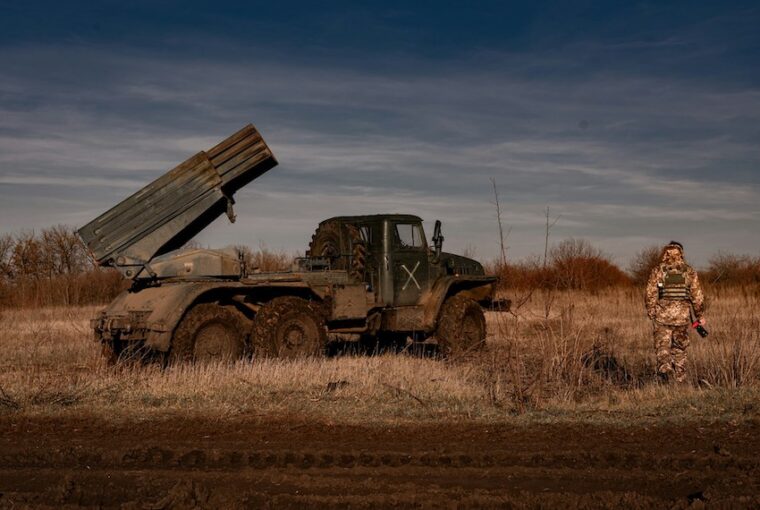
[634, 122]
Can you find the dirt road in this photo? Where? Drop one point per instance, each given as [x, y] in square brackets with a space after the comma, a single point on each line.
[183, 463]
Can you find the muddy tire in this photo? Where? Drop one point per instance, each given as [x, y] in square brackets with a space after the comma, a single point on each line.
[461, 326]
[289, 327]
[358, 252]
[333, 239]
[326, 241]
[208, 333]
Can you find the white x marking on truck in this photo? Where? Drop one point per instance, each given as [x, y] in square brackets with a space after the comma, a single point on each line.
[411, 275]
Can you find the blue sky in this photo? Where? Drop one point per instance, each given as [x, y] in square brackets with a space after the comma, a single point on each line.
[636, 122]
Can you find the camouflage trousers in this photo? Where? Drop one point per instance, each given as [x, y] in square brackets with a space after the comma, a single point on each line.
[670, 343]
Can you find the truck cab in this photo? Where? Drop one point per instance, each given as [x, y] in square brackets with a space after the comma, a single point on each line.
[399, 265]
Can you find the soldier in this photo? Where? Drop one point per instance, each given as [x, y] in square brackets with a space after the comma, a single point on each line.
[673, 289]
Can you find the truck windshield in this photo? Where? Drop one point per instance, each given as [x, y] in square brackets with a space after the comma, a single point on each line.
[409, 235]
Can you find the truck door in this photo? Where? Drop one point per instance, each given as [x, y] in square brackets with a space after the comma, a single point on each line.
[409, 262]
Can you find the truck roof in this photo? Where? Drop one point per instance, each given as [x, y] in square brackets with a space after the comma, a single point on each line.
[369, 218]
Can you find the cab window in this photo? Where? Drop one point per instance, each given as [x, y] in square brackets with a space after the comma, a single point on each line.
[409, 235]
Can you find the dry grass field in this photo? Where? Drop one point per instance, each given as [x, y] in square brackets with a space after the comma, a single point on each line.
[561, 409]
[559, 356]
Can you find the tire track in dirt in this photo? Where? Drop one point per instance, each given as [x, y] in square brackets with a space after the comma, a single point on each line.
[157, 457]
[254, 464]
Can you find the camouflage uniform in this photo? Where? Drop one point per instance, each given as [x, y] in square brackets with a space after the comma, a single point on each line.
[673, 289]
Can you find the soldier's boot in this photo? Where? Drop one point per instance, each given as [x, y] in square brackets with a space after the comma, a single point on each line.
[665, 376]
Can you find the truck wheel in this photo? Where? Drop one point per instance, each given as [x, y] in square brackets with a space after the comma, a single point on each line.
[289, 327]
[208, 333]
[461, 326]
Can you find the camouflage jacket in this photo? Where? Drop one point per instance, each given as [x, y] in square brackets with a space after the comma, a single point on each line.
[669, 311]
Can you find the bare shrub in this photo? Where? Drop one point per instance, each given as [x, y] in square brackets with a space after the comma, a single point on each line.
[27, 257]
[64, 252]
[730, 269]
[643, 263]
[264, 259]
[528, 273]
[579, 265]
[573, 264]
[6, 251]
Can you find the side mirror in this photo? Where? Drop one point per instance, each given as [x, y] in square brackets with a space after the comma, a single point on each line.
[437, 239]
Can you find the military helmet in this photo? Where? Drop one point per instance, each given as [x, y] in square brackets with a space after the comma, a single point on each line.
[674, 244]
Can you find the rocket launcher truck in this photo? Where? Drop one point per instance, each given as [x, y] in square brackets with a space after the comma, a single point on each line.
[371, 278]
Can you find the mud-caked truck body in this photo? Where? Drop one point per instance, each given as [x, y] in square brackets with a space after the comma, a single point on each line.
[371, 278]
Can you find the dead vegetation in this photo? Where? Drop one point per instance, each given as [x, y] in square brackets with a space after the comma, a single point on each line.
[559, 356]
[572, 264]
[577, 345]
[51, 268]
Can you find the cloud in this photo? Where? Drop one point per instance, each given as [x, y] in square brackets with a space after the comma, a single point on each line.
[608, 151]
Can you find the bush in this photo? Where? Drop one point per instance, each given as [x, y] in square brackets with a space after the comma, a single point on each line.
[643, 263]
[572, 264]
[580, 266]
[524, 274]
[728, 269]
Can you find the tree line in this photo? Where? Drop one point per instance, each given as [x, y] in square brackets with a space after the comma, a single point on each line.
[52, 267]
[575, 264]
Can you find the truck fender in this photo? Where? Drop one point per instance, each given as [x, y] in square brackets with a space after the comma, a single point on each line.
[479, 288]
[161, 308]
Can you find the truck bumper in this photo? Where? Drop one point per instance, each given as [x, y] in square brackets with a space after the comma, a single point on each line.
[127, 327]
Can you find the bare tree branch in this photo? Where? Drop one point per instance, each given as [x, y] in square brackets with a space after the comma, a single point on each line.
[502, 236]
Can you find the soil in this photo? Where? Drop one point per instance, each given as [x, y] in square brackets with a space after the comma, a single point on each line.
[257, 462]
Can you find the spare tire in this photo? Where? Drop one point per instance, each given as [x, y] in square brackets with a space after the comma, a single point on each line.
[342, 244]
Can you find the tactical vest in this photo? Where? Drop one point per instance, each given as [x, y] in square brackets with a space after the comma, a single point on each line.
[673, 286]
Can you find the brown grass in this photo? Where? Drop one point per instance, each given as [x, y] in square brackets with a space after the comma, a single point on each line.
[560, 356]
